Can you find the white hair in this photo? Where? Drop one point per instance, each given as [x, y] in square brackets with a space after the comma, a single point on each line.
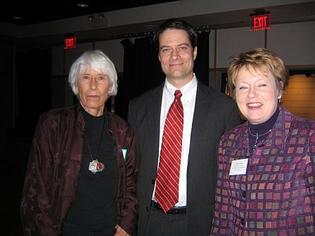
[95, 60]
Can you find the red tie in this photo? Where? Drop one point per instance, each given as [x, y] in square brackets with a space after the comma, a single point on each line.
[166, 192]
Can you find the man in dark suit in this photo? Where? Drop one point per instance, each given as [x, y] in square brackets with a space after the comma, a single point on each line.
[207, 115]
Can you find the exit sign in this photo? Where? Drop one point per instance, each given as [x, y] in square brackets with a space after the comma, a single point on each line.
[260, 22]
[70, 41]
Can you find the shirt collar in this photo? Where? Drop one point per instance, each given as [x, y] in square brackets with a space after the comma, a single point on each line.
[188, 90]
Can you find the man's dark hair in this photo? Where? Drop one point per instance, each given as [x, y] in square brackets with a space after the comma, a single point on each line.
[176, 24]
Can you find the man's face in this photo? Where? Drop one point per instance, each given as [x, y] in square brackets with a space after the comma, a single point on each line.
[177, 56]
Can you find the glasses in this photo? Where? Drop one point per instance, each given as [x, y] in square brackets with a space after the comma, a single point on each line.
[87, 78]
[179, 50]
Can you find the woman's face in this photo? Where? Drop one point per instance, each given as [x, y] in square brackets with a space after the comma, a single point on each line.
[256, 94]
[93, 87]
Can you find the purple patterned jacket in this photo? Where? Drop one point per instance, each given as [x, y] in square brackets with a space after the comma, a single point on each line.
[276, 196]
[53, 169]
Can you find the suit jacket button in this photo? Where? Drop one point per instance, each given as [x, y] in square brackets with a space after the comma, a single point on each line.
[147, 209]
[152, 181]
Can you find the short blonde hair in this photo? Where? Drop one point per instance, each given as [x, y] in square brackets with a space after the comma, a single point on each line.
[260, 59]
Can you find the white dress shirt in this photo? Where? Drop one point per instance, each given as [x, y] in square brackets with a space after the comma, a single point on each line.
[188, 100]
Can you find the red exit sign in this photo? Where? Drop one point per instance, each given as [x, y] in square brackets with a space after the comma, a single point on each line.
[260, 22]
[70, 41]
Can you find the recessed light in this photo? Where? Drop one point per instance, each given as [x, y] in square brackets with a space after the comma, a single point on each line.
[17, 17]
[82, 4]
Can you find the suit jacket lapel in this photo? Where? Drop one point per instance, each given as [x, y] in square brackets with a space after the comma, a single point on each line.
[199, 137]
[200, 113]
[154, 111]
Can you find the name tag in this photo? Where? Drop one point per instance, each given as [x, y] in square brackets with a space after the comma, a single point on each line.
[238, 167]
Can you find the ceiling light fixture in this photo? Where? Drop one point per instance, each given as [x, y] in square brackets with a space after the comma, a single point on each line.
[97, 19]
[91, 18]
[82, 5]
[17, 17]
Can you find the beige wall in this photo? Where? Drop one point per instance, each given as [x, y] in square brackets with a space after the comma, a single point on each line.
[293, 42]
[299, 97]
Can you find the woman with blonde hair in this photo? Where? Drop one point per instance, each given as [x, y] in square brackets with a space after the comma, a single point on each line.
[266, 166]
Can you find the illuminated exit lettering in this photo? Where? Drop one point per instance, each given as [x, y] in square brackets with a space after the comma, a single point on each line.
[70, 42]
[260, 22]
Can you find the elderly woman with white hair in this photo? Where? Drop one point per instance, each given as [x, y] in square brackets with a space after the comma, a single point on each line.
[81, 174]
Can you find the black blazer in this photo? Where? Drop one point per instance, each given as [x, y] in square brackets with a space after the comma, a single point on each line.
[214, 114]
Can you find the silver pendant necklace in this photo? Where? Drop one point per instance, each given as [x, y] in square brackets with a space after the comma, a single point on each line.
[257, 136]
[95, 166]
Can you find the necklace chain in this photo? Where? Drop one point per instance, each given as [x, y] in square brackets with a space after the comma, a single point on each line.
[94, 165]
[89, 148]
[100, 141]
[257, 136]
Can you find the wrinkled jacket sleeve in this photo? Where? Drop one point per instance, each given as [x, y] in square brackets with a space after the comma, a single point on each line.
[128, 218]
[36, 205]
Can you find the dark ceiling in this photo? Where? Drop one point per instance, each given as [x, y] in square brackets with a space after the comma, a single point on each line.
[62, 9]
[32, 13]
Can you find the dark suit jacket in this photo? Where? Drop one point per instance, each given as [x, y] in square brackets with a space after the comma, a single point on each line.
[214, 114]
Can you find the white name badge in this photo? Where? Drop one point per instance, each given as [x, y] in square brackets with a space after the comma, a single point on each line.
[238, 167]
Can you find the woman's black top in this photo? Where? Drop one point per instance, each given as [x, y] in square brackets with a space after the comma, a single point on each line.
[95, 205]
[259, 132]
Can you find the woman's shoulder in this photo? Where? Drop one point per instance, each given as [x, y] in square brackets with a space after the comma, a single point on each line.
[236, 131]
[57, 112]
[300, 122]
[58, 120]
